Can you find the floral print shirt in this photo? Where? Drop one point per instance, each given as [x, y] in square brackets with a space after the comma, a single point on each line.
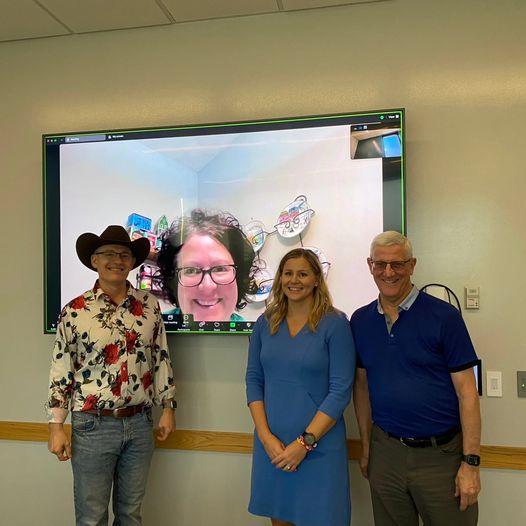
[108, 356]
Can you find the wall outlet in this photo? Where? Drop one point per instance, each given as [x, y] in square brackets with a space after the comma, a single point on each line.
[521, 384]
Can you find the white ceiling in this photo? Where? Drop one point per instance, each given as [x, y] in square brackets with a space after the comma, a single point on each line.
[26, 19]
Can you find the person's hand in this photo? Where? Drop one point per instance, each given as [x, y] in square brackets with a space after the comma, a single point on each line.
[166, 424]
[364, 465]
[291, 457]
[467, 485]
[363, 461]
[273, 445]
[59, 443]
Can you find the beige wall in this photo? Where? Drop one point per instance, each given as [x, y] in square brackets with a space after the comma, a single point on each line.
[459, 70]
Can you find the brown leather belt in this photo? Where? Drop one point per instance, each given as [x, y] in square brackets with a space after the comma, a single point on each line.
[120, 412]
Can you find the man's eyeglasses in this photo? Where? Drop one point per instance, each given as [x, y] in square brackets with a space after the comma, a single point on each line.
[395, 265]
[110, 254]
[193, 276]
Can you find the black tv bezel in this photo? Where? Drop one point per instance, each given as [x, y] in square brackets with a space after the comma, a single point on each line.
[51, 189]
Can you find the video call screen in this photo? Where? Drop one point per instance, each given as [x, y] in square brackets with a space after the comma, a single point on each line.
[232, 198]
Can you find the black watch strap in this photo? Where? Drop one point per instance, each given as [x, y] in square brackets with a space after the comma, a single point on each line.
[472, 460]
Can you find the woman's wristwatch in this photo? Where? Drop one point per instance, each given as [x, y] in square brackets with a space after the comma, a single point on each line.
[307, 440]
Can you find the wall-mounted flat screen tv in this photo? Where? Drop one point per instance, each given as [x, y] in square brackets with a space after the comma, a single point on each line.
[221, 204]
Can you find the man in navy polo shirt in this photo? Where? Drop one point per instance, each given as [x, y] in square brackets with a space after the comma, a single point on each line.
[415, 398]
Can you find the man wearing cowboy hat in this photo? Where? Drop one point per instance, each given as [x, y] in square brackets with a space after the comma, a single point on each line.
[110, 365]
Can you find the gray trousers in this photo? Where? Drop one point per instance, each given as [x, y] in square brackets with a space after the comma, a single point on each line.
[407, 482]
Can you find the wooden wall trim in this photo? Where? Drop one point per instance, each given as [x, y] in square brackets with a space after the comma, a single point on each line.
[496, 457]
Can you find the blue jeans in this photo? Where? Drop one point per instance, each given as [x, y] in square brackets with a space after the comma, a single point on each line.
[110, 451]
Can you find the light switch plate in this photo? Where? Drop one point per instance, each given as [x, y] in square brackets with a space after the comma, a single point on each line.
[494, 383]
[472, 297]
[521, 384]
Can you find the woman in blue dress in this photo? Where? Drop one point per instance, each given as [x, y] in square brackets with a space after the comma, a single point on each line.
[299, 379]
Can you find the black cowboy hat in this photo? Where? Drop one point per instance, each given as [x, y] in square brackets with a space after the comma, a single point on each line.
[113, 235]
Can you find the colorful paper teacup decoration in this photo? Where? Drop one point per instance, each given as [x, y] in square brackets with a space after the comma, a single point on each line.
[294, 218]
[256, 234]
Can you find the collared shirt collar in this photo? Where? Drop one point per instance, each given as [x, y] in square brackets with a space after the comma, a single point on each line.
[406, 304]
[98, 293]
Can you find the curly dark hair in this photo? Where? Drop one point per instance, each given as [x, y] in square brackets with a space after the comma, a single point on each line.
[223, 227]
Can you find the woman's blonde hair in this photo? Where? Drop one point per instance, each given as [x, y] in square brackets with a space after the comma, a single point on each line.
[278, 304]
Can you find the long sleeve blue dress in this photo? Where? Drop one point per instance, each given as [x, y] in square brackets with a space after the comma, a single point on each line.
[295, 377]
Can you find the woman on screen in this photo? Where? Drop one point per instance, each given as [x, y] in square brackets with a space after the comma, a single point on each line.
[206, 264]
[299, 379]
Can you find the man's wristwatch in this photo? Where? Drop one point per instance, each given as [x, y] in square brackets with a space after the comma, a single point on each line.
[472, 460]
[172, 404]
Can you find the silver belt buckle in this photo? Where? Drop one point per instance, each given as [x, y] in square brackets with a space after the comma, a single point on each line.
[402, 442]
[116, 412]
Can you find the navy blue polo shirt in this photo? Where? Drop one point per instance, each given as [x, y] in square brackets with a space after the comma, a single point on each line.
[409, 368]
